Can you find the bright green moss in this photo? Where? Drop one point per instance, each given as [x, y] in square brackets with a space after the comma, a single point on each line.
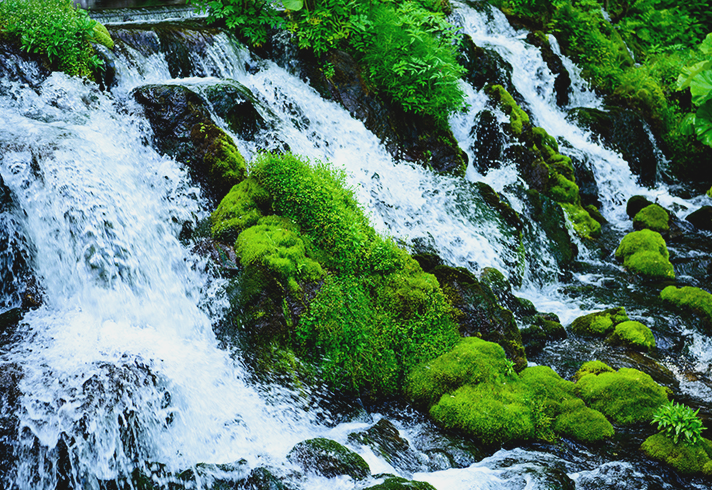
[582, 423]
[652, 217]
[709, 192]
[582, 222]
[599, 323]
[564, 191]
[224, 165]
[517, 117]
[626, 397]
[472, 361]
[593, 367]
[543, 139]
[398, 483]
[241, 208]
[633, 334]
[102, 36]
[275, 244]
[696, 299]
[684, 457]
[644, 252]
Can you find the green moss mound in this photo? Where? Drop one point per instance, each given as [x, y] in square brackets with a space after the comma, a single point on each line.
[696, 299]
[633, 334]
[644, 252]
[599, 323]
[582, 222]
[243, 206]
[517, 117]
[626, 397]
[275, 243]
[684, 457]
[223, 165]
[593, 367]
[582, 423]
[652, 217]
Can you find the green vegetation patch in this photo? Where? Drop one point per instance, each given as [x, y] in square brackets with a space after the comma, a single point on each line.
[696, 299]
[685, 458]
[56, 30]
[518, 118]
[328, 458]
[223, 163]
[626, 397]
[241, 208]
[633, 334]
[644, 252]
[652, 217]
[582, 423]
[593, 367]
[599, 323]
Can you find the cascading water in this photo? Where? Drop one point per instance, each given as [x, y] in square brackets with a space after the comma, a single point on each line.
[119, 366]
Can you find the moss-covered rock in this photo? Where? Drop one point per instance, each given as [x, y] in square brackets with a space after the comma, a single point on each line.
[582, 423]
[633, 334]
[599, 323]
[593, 367]
[582, 222]
[652, 217]
[541, 330]
[697, 300]
[398, 483]
[385, 440]
[328, 458]
[626, 397]
[635, 204]
[684, 457]
[645, 253]
[241, 208]
[102, 36]
[518, 119]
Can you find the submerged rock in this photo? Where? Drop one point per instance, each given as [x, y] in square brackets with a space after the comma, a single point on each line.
[328, 458]
[702, 218]
[385, 440]
[562, 80]
[398, 483]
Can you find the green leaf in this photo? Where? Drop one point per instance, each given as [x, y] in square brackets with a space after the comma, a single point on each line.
[701, 87]
[703, 123]
[706, 46]
[294, 5]
[690, 72]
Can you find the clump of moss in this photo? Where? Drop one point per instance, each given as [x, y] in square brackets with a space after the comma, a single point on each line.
[517, 117]
[696, 299]
[593, 367]
[652, 217]
[275, 243]
[398, 483]
[241, 208]
[709, 192]
[626, 397]
[564, 191]
[599, 323]
[644, 252]
[582, 221]
[684, 457]
[633, 334]
[223, 164]
[582, 423]
[328, 458]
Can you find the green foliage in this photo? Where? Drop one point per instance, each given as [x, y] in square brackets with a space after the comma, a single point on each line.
[599, 323]
[582, 423]
[644, 252]
[593, 367]
[685, 458]
[675, 420]
[251, 18]
[54, 29]
[626, 397]
[275, 243]
[698, 78]
[633, 334]
[696, 299]
[243, 206]
[652, 217]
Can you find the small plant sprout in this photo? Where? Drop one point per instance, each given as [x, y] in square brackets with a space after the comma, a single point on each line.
[676, 419]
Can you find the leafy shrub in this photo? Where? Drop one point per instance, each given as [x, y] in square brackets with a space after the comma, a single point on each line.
[676, 419]
[251, 18]
[698, 78]
[54, 29]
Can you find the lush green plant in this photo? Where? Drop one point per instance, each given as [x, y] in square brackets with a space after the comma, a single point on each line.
[676, 419]
[54, 29]
[685, 458]
[698, 78]
[251, 18]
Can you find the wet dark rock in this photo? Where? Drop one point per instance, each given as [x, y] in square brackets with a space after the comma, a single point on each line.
[10, 376]
[702, 218]
[551, 218]
[184, 129]
[259, 479]
[18, 66]
[409, 137]
[542, 330]
[562, 82]
[482, 315]
[500, 205]
[635, 205]
[586, 181]
[105, 75]
[398, 483]
[385, 440]
[488, 143]
[328, 458]
[484, 66]
[236, 105]
[624, 131]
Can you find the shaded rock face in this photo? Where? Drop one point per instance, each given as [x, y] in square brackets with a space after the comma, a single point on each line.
[490, 141]
[625, 132]
[18, 66]
[702, 218]
[236, 105]
[551, 218]
[328, 458]
[484, 66]
[10, 375]
[562, 82]
[384, 439]
[406, 136]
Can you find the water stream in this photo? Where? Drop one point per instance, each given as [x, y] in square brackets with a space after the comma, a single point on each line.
[120, 363]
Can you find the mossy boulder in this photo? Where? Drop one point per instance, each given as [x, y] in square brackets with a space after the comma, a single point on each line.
[645, 253]
[626, 397]
[691, 298]
[385, 440]
[635, 204]
[518, 119]
[686, 458]
[219, 163]
[542, 330]
[552, 219]
[633, 334]
[328, 458]
[593, 367]
[583, 423]
[241, 208]
[237, 106]
[652, 217]
[599, 323]
[398, 483]
[259, 479]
